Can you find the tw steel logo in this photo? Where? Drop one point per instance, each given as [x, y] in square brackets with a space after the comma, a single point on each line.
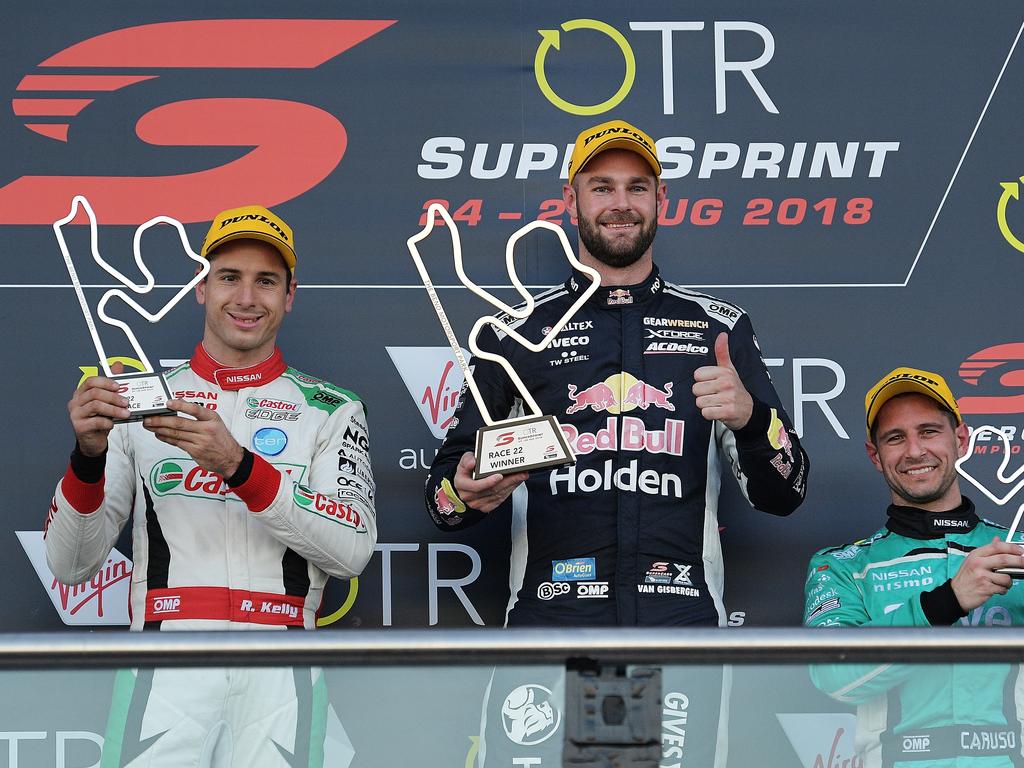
[289, 147]
[998, 370]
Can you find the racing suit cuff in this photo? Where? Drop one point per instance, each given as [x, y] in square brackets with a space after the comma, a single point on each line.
[940, 605]
[243, 471]
[82, 484]
[756, 428]
[259, 489]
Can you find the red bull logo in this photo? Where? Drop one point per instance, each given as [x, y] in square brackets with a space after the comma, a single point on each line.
[621, 392]
[786, 443]
[444, 505]
[599, 397]
[632, 435]
[643, 396]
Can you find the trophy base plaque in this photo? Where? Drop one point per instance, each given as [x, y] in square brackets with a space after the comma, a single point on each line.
[147, 395]
[520, 445]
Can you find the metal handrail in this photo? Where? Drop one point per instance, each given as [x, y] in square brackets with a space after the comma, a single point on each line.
[468, 647]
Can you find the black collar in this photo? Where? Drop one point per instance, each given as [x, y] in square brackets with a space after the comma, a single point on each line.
[918, 524]
[618, 295]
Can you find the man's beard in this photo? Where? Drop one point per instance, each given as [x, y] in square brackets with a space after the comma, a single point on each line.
[621, 254]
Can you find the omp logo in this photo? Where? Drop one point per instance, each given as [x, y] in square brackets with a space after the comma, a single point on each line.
[434, 379]
[999, 372]
[168, 604]
[102, 600]
[302, 143]
[590, 35]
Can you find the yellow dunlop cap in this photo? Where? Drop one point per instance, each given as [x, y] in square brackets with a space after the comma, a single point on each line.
[903, 380]
[253, 222]
[615, 134]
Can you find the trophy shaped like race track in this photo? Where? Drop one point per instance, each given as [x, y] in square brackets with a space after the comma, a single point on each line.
[147, 391]
[1012, 483]
[511, 445]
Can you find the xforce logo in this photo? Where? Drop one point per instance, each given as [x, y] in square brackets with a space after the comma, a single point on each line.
[264, 130]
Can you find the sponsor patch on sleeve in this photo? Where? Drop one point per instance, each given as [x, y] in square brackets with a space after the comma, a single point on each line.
[447, 500]
[825, 607]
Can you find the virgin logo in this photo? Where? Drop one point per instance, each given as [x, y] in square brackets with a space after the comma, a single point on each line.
[998, 372]
[434, 379]
[72, 599]
[102, 600]
[301, 143]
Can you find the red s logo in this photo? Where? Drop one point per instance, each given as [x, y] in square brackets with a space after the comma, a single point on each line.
[1001, 365]
[504, 439]
[291, 147]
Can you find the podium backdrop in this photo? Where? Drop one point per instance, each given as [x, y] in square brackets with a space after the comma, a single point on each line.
[847, 173]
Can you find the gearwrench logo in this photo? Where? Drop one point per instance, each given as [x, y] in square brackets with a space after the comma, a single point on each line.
[1016, 480]
[302, 143]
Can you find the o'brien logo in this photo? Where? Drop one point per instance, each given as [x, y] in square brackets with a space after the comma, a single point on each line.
[577, 569]
[256, 217]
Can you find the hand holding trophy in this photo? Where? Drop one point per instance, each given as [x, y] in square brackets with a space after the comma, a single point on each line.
[510, 445]
[146, 392]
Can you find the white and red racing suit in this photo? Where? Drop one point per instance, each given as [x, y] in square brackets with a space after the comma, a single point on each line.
[252, 551]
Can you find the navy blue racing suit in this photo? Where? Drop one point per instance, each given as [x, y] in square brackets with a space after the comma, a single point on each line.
[629, 535]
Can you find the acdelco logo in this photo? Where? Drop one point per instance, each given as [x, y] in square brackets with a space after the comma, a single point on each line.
[303, 143]
[551, 39]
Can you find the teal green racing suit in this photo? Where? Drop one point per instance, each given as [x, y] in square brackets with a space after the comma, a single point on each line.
[917, 715]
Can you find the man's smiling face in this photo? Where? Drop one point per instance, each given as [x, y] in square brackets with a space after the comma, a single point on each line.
[915, 447]
[247, 294]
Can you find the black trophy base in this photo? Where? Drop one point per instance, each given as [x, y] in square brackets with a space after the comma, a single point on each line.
[147, 395]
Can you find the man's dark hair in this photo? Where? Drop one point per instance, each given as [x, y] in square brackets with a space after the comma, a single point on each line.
[949, 415]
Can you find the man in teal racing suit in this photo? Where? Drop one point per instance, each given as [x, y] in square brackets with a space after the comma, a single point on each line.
[933, 564]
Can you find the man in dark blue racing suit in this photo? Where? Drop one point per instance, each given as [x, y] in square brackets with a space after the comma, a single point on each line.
[653, 385]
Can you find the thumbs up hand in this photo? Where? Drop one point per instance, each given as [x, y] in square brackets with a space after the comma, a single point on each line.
[720, 394]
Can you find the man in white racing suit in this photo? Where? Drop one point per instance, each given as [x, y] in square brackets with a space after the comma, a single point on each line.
[243, 503]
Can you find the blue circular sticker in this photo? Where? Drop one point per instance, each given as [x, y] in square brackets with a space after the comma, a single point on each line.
[269, 441]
